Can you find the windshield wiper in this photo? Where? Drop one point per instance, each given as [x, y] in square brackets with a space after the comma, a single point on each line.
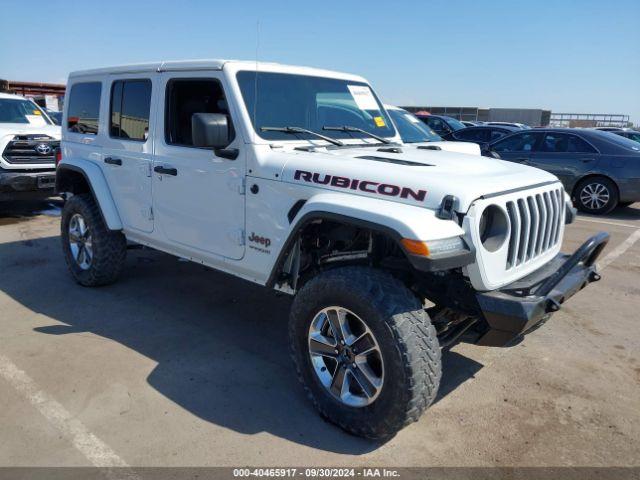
[347, 128]
[294, 130]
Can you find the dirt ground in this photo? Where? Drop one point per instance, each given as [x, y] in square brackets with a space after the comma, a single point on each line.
[177, 365]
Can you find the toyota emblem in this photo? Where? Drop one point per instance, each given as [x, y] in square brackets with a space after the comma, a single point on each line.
[43, 148]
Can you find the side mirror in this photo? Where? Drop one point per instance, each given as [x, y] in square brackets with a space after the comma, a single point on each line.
[210, 130]
[487, 152]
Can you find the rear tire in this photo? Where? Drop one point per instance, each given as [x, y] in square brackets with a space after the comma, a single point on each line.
[406, 368]
[94, 254]
[596, 195]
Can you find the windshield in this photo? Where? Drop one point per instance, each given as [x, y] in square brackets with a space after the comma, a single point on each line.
[287, 100]
[411, 128]
[15, 110]
[454, 124]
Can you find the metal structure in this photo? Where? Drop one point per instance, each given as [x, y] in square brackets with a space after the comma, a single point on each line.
[589, 120]
[529, 116]
[47, 95]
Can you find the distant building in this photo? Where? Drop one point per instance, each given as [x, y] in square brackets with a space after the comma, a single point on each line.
[529, 116]
[47, 95]
[586, 120]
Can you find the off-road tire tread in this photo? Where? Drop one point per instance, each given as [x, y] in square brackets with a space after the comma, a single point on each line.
[416, 340]
[110, 247]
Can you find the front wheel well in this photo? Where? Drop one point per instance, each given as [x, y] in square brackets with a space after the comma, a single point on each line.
[323, 242]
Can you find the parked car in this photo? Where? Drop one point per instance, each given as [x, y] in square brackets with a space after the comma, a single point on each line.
[56, 117]
[599, 169]
[521, 126]
[631, 134]
[482, 135]
[441, 124]
[418, 134]
[609, 129]
[28, 141]
[318, 202]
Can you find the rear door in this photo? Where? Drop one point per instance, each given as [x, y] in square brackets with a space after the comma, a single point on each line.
[565, 155]
[128, 150]
[517, 147]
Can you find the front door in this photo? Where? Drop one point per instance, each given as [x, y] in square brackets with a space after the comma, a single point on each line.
[517, 147]
[198, 197]
[127, 153]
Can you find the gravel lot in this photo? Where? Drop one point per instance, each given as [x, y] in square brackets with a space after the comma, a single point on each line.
[180, 365]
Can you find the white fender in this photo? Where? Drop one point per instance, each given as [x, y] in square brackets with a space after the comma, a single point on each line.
[99, 187]
[407, 221]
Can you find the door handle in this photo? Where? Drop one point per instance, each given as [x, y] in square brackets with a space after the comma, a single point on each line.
[587, 160]
[165, 170]
[113, 161]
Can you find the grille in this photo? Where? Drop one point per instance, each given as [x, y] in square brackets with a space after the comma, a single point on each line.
[536, 223]
[23, 149]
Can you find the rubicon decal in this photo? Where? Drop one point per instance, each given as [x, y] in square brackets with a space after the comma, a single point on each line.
[387, 189]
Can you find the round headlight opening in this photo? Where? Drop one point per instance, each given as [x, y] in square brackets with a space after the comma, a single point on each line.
[494, 227]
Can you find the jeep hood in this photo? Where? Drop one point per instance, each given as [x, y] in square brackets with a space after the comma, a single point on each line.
[460, 147]
[412, 176]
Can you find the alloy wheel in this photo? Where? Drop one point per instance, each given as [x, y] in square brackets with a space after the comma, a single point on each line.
[346, 356]
[80, 242]
[595, 196]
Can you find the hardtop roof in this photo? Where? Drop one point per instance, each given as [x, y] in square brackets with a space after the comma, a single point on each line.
[212, 64]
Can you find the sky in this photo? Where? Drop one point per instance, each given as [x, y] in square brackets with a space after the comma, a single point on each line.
[568, 56]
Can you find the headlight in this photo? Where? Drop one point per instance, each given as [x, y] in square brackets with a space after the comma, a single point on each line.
[434, 247]
[493, 228]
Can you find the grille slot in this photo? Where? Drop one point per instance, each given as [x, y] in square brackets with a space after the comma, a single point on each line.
[536, 221]
[22, 150]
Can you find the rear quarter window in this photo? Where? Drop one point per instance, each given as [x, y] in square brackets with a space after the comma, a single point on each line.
[83, 113]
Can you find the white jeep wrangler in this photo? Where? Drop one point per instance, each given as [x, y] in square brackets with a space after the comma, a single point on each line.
[296, 179]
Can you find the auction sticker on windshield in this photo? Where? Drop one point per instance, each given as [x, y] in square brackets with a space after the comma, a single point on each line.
[364, 97]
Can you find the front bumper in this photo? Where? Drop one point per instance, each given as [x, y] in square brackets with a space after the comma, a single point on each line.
[18, 184]
[517, 308]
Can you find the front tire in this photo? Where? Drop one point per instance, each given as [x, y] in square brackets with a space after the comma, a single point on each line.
[596, 195]
[377, 394]
[94, 254]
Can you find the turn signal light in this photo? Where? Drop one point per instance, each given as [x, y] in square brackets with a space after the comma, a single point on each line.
[415, 247]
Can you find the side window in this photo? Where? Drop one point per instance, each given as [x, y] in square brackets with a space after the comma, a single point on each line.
[84, 108]
[519, 142]
[576, 144]
[496, 134]
[555, 142]
[436, 124]
[472, 134]
[184, 97]
[130, 106]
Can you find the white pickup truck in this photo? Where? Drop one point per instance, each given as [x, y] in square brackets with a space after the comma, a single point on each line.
[296, 179]
[28, 142]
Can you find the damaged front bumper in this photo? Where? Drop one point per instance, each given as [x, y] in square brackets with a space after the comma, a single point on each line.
[519, 307]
